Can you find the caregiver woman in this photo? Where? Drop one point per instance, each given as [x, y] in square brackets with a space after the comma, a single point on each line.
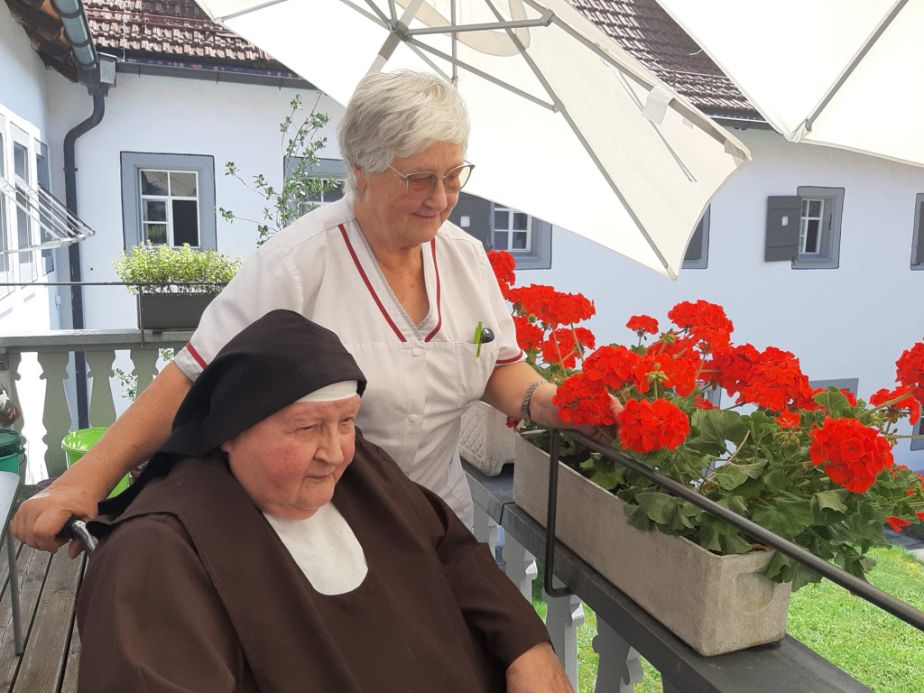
[402, 287]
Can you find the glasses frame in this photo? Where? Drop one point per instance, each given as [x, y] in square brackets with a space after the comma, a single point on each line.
[433, 179]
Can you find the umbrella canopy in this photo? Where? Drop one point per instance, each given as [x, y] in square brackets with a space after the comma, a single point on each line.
[565, 124]
[834, 72]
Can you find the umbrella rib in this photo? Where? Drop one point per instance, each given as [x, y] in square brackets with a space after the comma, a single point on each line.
[580, 136]
[628, 70]
[377, 17]
[545, 20]
[255, 8]
[481, 73]
[860, 54]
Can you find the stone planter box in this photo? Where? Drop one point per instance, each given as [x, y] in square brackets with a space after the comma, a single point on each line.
[171, 311]
[716, 604]
[485, 440]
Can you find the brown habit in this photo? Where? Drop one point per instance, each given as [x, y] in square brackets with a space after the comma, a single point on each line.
[193, 591]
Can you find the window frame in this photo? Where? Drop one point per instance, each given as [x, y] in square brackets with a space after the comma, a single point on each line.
[168, 199]
[510, 231]
[828, 255]
[331, 169]
[7, 266]
[917, 238]
[702, 227]
[132, 163]
[24, 186]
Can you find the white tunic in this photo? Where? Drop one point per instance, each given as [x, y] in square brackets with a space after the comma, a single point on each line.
[420, 377]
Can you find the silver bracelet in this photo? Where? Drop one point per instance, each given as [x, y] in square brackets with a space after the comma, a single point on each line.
[527, 398]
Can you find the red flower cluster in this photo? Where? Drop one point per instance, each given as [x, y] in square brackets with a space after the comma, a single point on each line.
[612, 366]
[678, 373]
[706, 322]
[529, 335]
[855, 454]
[642, 324]
[896, 523]
[908, 403]
[645, 425]
[789, 419]
[772, 378]
[552, 308]
[909, 370]
[561, 347]
[581, 401]
[503, 264]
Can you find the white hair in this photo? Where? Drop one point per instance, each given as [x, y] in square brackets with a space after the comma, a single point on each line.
[398, 114]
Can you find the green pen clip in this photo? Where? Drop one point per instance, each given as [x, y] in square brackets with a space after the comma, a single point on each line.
[476, 340]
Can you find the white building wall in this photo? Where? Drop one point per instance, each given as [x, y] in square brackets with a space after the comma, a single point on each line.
[850, 322]
[171, 115]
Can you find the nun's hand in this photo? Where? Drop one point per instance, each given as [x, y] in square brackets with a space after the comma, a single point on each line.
[40, 519]
[537, 671]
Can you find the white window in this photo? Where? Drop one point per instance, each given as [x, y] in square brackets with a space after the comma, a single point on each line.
[169, 207]
[812, 226]
[169, 199]
[512, 230]
[6, 265]
[24, 202]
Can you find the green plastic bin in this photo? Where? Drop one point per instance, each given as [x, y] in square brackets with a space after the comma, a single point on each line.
[77, 443]
[11, 449]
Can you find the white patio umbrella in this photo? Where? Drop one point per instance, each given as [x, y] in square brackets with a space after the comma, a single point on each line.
[844, 73]
[565, 124]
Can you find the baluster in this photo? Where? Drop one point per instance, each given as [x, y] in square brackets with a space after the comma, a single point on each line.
[56, 417]
[145, 363]
[521, 566]
[485, 528]
[9, 374]
[102, 408]
[620, 667]
[562, 620]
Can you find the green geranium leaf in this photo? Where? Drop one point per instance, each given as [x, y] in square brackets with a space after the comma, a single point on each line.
[712, 428]
[834, 401]
[831, 500]
[734, 543]
[780, 568]
[731, 476]
[709, 538]
[786, 518]
[609, 478]
[637, 517]
[803, 576]
[736, 504]
[776, 480]
[659, 507]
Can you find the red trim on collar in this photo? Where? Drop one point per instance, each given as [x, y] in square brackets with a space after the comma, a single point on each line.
[362, 273]
[195, 354]
[504, 362]
[439, 305]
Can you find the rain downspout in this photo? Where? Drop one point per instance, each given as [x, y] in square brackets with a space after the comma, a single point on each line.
[98, 73]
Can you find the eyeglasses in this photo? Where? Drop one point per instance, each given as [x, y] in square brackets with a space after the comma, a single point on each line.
[424, 184]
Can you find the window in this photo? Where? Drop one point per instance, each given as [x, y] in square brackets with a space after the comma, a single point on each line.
[43, 178]
[168, 199]
[24, 231]
[697, 253]
[917, 238]
[6, 274]
[328, 171]
[499, 227]
[805, 229]
[511, 230]
[849, 384]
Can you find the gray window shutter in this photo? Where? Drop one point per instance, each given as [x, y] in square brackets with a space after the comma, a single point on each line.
[695, 246]
[919, 255]
[478, 213]
[783, 217]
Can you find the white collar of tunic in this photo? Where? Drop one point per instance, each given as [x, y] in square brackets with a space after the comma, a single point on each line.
[325, 549]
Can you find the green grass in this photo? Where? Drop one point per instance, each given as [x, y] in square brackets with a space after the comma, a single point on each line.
[874, 647]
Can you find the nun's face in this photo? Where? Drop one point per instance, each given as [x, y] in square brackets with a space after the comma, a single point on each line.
[290, 462]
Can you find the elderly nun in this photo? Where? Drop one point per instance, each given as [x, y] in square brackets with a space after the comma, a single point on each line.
[268, 546]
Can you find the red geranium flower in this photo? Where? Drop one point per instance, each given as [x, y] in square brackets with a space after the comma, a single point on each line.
[789, 419]
[854, 453]
[612, 366]
[503, 265]
[706, 322]
[896, 523]
[701, 403]
[909, 370]
[529, 335]
[562, 349]
[642, 324]
[909, 403]
[551, 307]
[581, 401]
[646, 426]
